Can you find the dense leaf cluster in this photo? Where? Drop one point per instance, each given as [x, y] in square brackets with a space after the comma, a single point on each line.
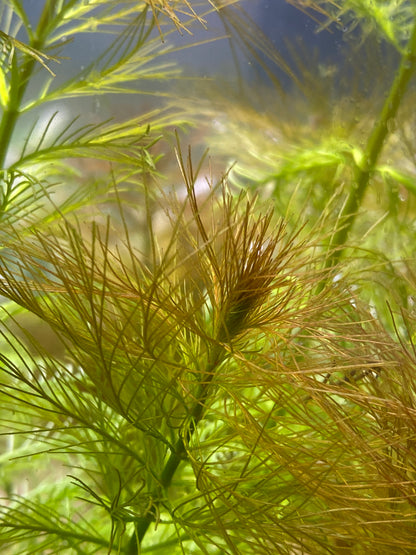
[202, 369]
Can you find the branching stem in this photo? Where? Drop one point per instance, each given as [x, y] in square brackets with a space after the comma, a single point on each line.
[373, 149]
[178, 453]
[20, 78]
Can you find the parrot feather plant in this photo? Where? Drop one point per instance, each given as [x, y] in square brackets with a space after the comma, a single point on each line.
[216, 384]
[337, 146]
[210, 400]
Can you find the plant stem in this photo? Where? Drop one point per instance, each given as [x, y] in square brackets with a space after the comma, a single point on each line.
[373, 149]
[178, 452]
[20, 78]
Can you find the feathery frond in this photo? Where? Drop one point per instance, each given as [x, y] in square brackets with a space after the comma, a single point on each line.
[216, 378]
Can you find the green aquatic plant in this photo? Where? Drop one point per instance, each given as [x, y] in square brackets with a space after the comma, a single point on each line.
[209, 399]
[202, 369]
[337, 149]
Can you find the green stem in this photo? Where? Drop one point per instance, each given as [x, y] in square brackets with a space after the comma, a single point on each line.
[19, 81]
[178, 452]
[18, 86]
[373, 149]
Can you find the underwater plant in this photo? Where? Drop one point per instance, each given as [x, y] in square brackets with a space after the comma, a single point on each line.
[207, 367]
[336, 149]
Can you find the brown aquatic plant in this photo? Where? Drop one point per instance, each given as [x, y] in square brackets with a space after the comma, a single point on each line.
[217, 382]
[228, 404]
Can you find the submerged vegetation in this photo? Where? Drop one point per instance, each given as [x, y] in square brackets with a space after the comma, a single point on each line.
[202, 363]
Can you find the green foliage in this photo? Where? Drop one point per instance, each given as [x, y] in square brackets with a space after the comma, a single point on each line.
[337, 150]
[221, 373]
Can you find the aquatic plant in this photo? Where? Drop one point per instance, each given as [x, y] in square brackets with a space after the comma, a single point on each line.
[336, 149]
[223, 382]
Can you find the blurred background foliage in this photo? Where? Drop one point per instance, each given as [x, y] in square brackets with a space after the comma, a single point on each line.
[207, 353]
